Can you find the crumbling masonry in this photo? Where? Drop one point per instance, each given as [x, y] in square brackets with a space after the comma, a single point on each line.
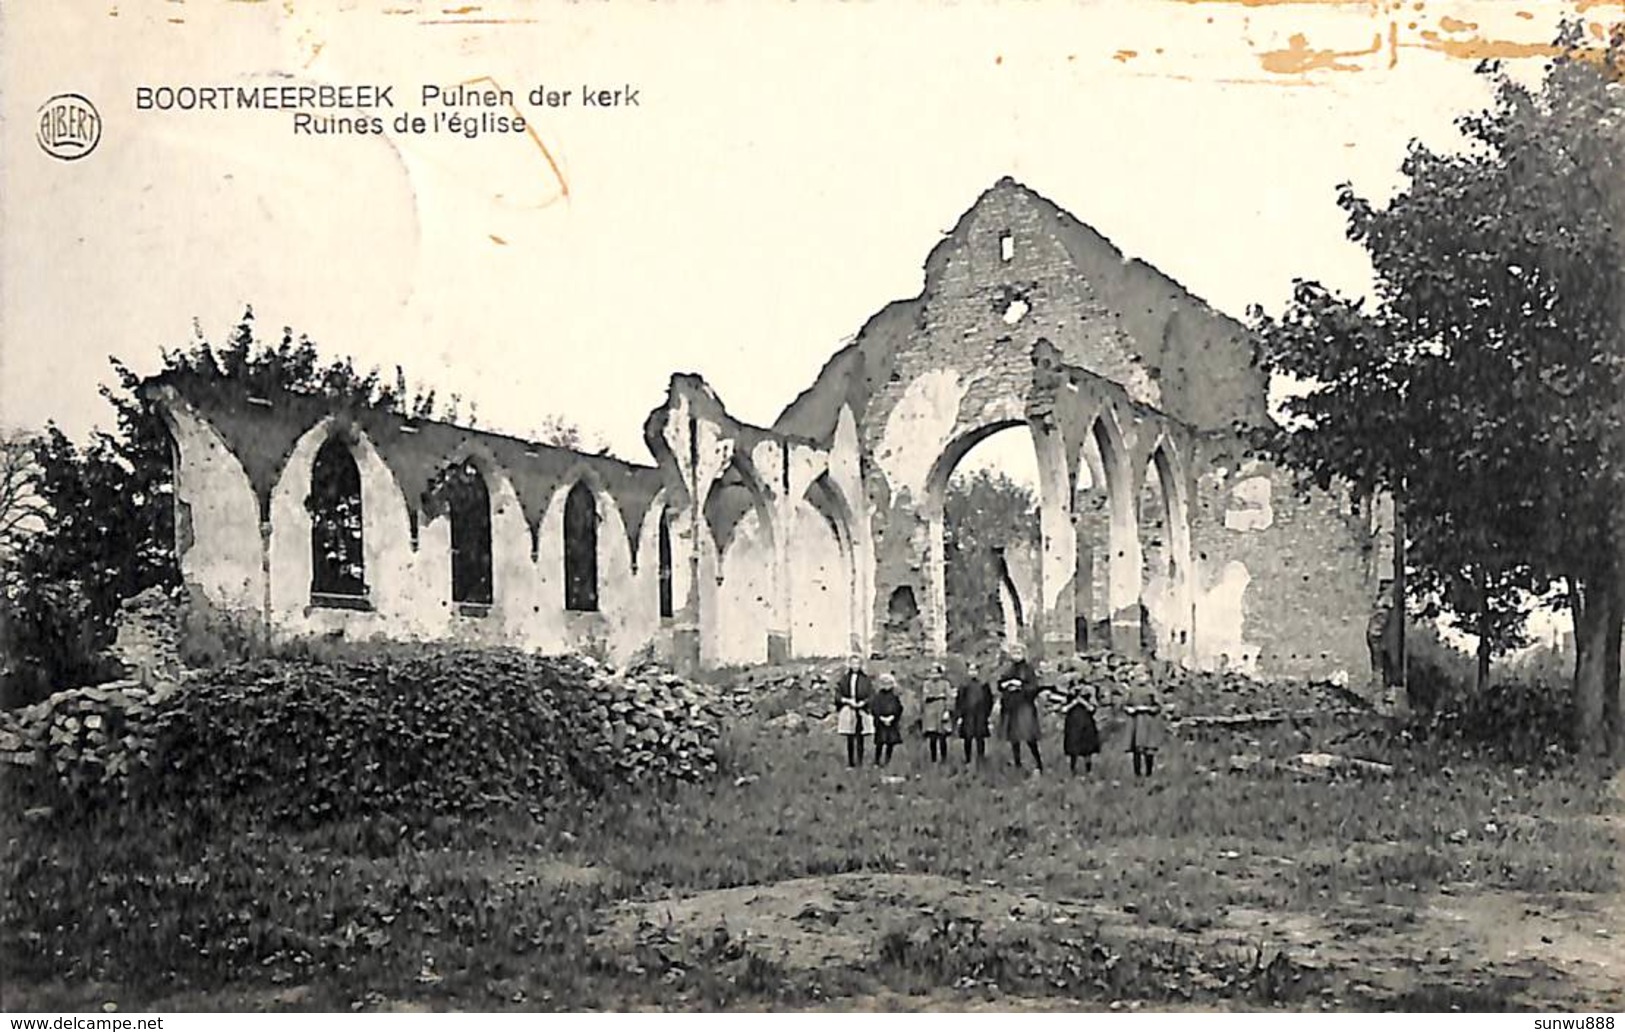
[824, 532]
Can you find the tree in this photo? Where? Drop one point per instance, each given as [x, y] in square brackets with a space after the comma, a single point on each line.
[983, 515]
[22, 510]
[1481, 385]
[559, 432]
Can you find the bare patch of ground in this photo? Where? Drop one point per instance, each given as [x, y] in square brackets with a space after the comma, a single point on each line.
[1504, 948]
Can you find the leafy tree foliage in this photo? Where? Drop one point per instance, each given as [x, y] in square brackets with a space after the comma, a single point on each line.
[22, 511]
[1481, 383]
[984, 514]
[562, 433]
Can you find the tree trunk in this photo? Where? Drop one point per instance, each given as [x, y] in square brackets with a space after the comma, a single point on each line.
[1481, 679]
[1401, 664]
[1611, 718]
[1595, 610]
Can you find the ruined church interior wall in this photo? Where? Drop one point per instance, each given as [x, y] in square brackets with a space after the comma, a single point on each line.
[226, 554]
[826, 532]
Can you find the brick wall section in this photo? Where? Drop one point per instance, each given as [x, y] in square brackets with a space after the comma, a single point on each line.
[1311, 572]
[147, 638]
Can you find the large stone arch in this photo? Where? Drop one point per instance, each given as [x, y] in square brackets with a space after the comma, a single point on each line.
[1053, 504]
[934, 611]
[392, 599]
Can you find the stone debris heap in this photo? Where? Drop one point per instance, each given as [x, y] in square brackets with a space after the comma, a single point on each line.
[147, 640]
[659, 723]
[797, 697]
[88, 738]
[1199, 698]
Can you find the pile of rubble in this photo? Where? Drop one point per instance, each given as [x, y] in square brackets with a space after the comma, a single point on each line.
[1200, 698]
[89, 739]
[773, 691]
[796, 697]
[660, 724]
[96, 743]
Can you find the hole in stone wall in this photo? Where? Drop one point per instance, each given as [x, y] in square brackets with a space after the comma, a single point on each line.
[1007, 247]
[1015, 310]
[902, 608]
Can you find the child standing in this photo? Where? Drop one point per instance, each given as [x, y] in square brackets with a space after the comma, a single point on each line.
[1146, 727]
[936, 713]
[1018, 706]
[1082, 735]
[973, 710]
[853, 720]
[887, 708]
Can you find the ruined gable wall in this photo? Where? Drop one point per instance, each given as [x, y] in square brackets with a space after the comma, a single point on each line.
[924, 371]
[1201, 358]
[966, 362]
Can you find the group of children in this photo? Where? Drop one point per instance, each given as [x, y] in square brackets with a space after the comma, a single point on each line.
[863, 709]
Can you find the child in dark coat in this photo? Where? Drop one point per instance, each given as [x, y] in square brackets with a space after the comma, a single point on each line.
[973, 711]
[1018, 706]
[887, 708]
[1082, 735]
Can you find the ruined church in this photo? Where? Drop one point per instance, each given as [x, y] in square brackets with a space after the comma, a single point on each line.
[823, 533]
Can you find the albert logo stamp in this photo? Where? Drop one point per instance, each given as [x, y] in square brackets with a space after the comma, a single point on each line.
[69, 127]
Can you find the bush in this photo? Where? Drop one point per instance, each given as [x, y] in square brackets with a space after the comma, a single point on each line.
[1526, 716]
[1522, 721]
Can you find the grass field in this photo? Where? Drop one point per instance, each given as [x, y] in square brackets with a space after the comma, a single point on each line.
[794, 882]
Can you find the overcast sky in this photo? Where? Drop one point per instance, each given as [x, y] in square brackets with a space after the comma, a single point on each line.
[783, 177]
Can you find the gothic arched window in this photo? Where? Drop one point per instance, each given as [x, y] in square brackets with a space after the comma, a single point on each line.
[581, 549]
[337, 562]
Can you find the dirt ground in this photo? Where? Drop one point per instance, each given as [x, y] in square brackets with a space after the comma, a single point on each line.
[1518, 950]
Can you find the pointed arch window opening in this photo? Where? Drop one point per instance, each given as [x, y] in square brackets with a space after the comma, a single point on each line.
[468, 506]
[667, 602]
[581, 549]
[338, 572]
